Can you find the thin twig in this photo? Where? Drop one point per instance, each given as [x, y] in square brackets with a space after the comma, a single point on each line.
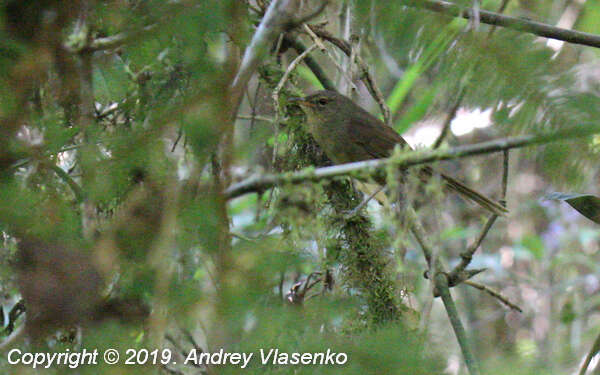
[280, 286]
[440, 287]
[287, 73]
[177, 346]
[117, 40]
[259, 118]
[593, 351]
[179, 135]
[279, 14]
[467, 256]
[366, 75]
[25, 161]
[368, 78]
[253, 104]
[342, 71]
[457, 275]
[567, 20]
[494, 293]
[360, 206]
[120, 39]
[311, 63]
[308, 285]
[354, 42]
[421, 235]
[106, 111]
[451, 115]
[276, 92]
[433, 265]
[256, 10]
[463, 89]
[504, 176]
[279, 17]
[516, 23]
[15, 312]
[242, 237]
[501, 9]
[315, 38]
[261, 183]
[192, 340]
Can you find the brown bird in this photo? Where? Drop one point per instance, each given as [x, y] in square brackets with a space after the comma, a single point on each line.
[347, 133]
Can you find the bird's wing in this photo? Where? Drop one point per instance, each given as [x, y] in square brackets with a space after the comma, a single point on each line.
[376, 139]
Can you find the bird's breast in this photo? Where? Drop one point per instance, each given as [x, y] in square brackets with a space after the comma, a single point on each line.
[336, 144]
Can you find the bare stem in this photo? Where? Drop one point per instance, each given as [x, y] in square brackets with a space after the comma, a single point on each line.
[493, 293]
[311, 63]
[366, 75]
[451, 115]
[441, 284]
[516, 23]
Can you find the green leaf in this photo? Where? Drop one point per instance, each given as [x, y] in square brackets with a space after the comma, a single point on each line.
[111, 82]
[586, 204]
[308, 75]
[418, 111]
[431, 54]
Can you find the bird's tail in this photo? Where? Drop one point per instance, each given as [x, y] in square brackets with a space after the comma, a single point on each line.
[468, 193]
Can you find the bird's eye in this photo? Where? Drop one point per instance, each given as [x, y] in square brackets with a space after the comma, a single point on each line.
[322, 101]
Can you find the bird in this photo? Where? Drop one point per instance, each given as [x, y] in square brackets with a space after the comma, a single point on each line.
[348, 133]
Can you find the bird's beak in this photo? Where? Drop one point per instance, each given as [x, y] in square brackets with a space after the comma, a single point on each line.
[298, 101]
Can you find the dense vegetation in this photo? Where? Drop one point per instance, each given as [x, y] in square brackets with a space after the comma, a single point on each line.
[159, 190]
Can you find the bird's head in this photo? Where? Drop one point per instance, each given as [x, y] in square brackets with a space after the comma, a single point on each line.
[323, 107]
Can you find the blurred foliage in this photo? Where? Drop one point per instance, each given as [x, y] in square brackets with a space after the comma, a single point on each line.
[113, 161]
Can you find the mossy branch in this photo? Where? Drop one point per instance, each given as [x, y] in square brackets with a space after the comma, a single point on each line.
[266, 181]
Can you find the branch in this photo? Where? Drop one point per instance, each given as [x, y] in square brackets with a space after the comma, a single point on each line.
[504, 176]
[285, 78]
[261, 183]
[310, 62]
[441, 284]
[588, 358]
[366, 201]
[366, 75]
[449, 117]
[494, 293]
[280, 15]
[421, 236]
[441, 288]
[331, 57]
[17, 310]
[455, 277]
[118, 40]
[467, 256]
[77, 191]
[521, 24]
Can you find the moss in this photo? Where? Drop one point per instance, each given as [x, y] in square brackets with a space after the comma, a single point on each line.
[348, 241]
[363, 257]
